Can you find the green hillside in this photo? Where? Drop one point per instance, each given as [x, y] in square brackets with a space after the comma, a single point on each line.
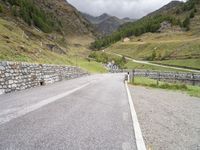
[181, 16]
[175, 46]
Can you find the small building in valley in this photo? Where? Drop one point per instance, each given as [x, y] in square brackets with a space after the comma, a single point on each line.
[126, 39]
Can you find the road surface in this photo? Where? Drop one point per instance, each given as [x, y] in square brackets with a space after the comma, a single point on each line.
[169, 120]
[89, 113]
[157, 65]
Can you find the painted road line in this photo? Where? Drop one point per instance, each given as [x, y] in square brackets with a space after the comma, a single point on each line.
[39, 105]
[137, 130]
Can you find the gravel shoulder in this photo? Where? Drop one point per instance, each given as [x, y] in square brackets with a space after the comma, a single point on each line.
[169, 120]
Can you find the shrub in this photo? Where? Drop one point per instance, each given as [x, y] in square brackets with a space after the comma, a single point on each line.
[192, 14]
[195, 10]
[1, 8]
[186, 23]
[14, 11]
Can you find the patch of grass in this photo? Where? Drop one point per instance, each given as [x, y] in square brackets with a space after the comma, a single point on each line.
[133, 65]
[165, 45]
[92, 66]
[189, 63]
[191, 90]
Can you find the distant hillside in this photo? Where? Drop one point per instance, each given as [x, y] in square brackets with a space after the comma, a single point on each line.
[175, 14]
[96, 20]
[106, 24]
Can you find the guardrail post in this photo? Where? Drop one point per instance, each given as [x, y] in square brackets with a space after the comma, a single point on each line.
[158, 78]
[133, 76]
[193, 80]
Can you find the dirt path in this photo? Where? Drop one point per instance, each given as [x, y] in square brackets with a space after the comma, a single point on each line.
[153, 64]
[169, 120]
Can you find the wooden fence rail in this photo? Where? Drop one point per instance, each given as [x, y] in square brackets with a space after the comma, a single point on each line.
[187, 78]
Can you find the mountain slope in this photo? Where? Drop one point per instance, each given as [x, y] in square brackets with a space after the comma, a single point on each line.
[169, 7]
[96, 20]
[109, 25]
[106, 24]
[71, 19]
[44, 31]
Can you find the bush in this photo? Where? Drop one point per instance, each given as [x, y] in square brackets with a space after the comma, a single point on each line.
[192, 14]
[1, 8]
[14, 11]
[186, 23]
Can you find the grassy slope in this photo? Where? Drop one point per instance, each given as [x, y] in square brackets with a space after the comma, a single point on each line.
[133, 65]
[190, 63]
[16, 45]
[191, 90]
[177, 47]
[174, 46]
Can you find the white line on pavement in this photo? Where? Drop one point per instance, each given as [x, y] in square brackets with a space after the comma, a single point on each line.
[138, 133]
[39, 105]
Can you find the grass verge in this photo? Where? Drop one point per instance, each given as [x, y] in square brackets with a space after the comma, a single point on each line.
[191, 90]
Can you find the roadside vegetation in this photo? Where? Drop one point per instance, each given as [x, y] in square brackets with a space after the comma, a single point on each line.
[104, 58]
[143, 81]
[185, 63]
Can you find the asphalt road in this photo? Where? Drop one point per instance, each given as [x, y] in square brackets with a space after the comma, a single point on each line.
[89, 113]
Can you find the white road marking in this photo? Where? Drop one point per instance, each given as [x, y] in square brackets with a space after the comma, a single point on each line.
[38, 105]
[138, 133]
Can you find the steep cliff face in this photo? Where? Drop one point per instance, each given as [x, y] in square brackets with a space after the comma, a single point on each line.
[71, 20]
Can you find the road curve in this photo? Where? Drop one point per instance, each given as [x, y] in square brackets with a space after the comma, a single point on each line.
[157, 65]
[88, 113]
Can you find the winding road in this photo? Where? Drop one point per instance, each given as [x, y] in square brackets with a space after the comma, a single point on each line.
[157, 65]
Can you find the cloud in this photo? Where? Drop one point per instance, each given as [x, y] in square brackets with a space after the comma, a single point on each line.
[119, 8]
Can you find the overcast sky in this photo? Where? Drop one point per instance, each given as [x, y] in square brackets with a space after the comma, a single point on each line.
[119, 8]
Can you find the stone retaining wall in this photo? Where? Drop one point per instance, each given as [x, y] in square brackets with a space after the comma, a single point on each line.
[16, 76]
